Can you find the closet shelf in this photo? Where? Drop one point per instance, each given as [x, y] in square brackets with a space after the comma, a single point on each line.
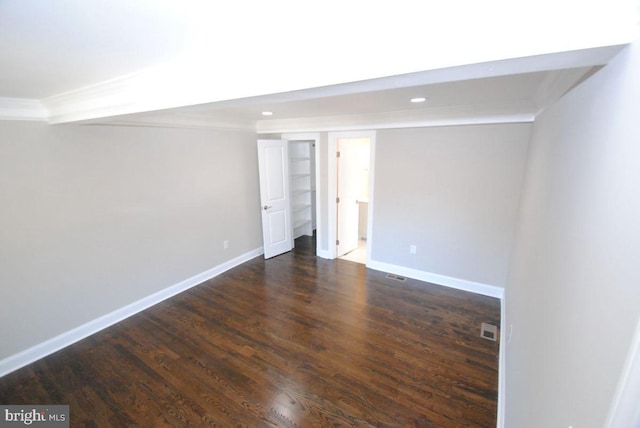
[300, 207]
[300, 191]
[301, 222]
[301, 177]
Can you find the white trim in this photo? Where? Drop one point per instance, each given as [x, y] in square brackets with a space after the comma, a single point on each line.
[332, 166]
[315, 137]
[502, 363]
[175, 121]
[332, 183]
[624, 410]
[22, 109]
[320, 215]
[434, 278]
[48, 347]
[325, 254]
[373, 122]
[372, 168]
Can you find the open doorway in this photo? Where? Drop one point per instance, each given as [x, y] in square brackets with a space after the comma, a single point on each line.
[304, 161]
[287, 173]
[302, 174]
[350, 180]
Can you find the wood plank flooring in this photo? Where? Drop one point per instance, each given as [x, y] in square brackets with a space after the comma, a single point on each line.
[295, 341]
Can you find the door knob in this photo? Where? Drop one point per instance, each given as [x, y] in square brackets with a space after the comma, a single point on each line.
[266, 207]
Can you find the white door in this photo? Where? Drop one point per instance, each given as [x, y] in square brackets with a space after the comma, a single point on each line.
[349, 177]
[273, 165]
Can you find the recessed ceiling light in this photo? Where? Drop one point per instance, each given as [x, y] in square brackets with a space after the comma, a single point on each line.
[267, 113]
[418, 100]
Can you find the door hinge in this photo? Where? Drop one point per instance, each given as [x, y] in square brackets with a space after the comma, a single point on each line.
[337, 242]
[337, 154]
[337, 200]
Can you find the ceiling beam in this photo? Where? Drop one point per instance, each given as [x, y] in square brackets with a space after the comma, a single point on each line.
[182, 85]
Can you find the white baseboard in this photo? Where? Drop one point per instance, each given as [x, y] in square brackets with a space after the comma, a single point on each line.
[48, 347]
[474, 287]
[325, 254]
[434, 278]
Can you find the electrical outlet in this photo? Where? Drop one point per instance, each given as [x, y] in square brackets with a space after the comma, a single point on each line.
[412, 249]
[225, 244]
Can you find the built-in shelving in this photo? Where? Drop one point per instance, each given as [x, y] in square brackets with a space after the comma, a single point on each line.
[301, 159]
[300, 207]
[301, 222]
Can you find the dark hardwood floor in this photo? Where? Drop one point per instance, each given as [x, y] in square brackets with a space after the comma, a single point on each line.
[295, 341]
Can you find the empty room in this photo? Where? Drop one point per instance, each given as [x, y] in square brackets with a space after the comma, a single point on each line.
[338, 214]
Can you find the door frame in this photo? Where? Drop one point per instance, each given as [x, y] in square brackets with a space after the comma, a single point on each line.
[332, 187]
[315, 137]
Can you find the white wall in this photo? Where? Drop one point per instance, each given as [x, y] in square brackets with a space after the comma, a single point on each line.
[574, 290]
[94, 218]
[453, 192]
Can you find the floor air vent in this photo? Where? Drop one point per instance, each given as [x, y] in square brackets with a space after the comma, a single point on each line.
[396, 277]
[489, 331]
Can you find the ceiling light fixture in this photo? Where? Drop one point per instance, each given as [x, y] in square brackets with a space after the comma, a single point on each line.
[267, 113]
[418, 100]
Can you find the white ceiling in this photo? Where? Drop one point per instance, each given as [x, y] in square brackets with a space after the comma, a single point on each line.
[520, 96]
[515, 91]
[196, 62]
[52, 46]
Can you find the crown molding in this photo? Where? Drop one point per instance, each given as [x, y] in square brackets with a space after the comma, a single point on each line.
[163, 121]
[22, 109]
[113, 97]
[153, 89]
